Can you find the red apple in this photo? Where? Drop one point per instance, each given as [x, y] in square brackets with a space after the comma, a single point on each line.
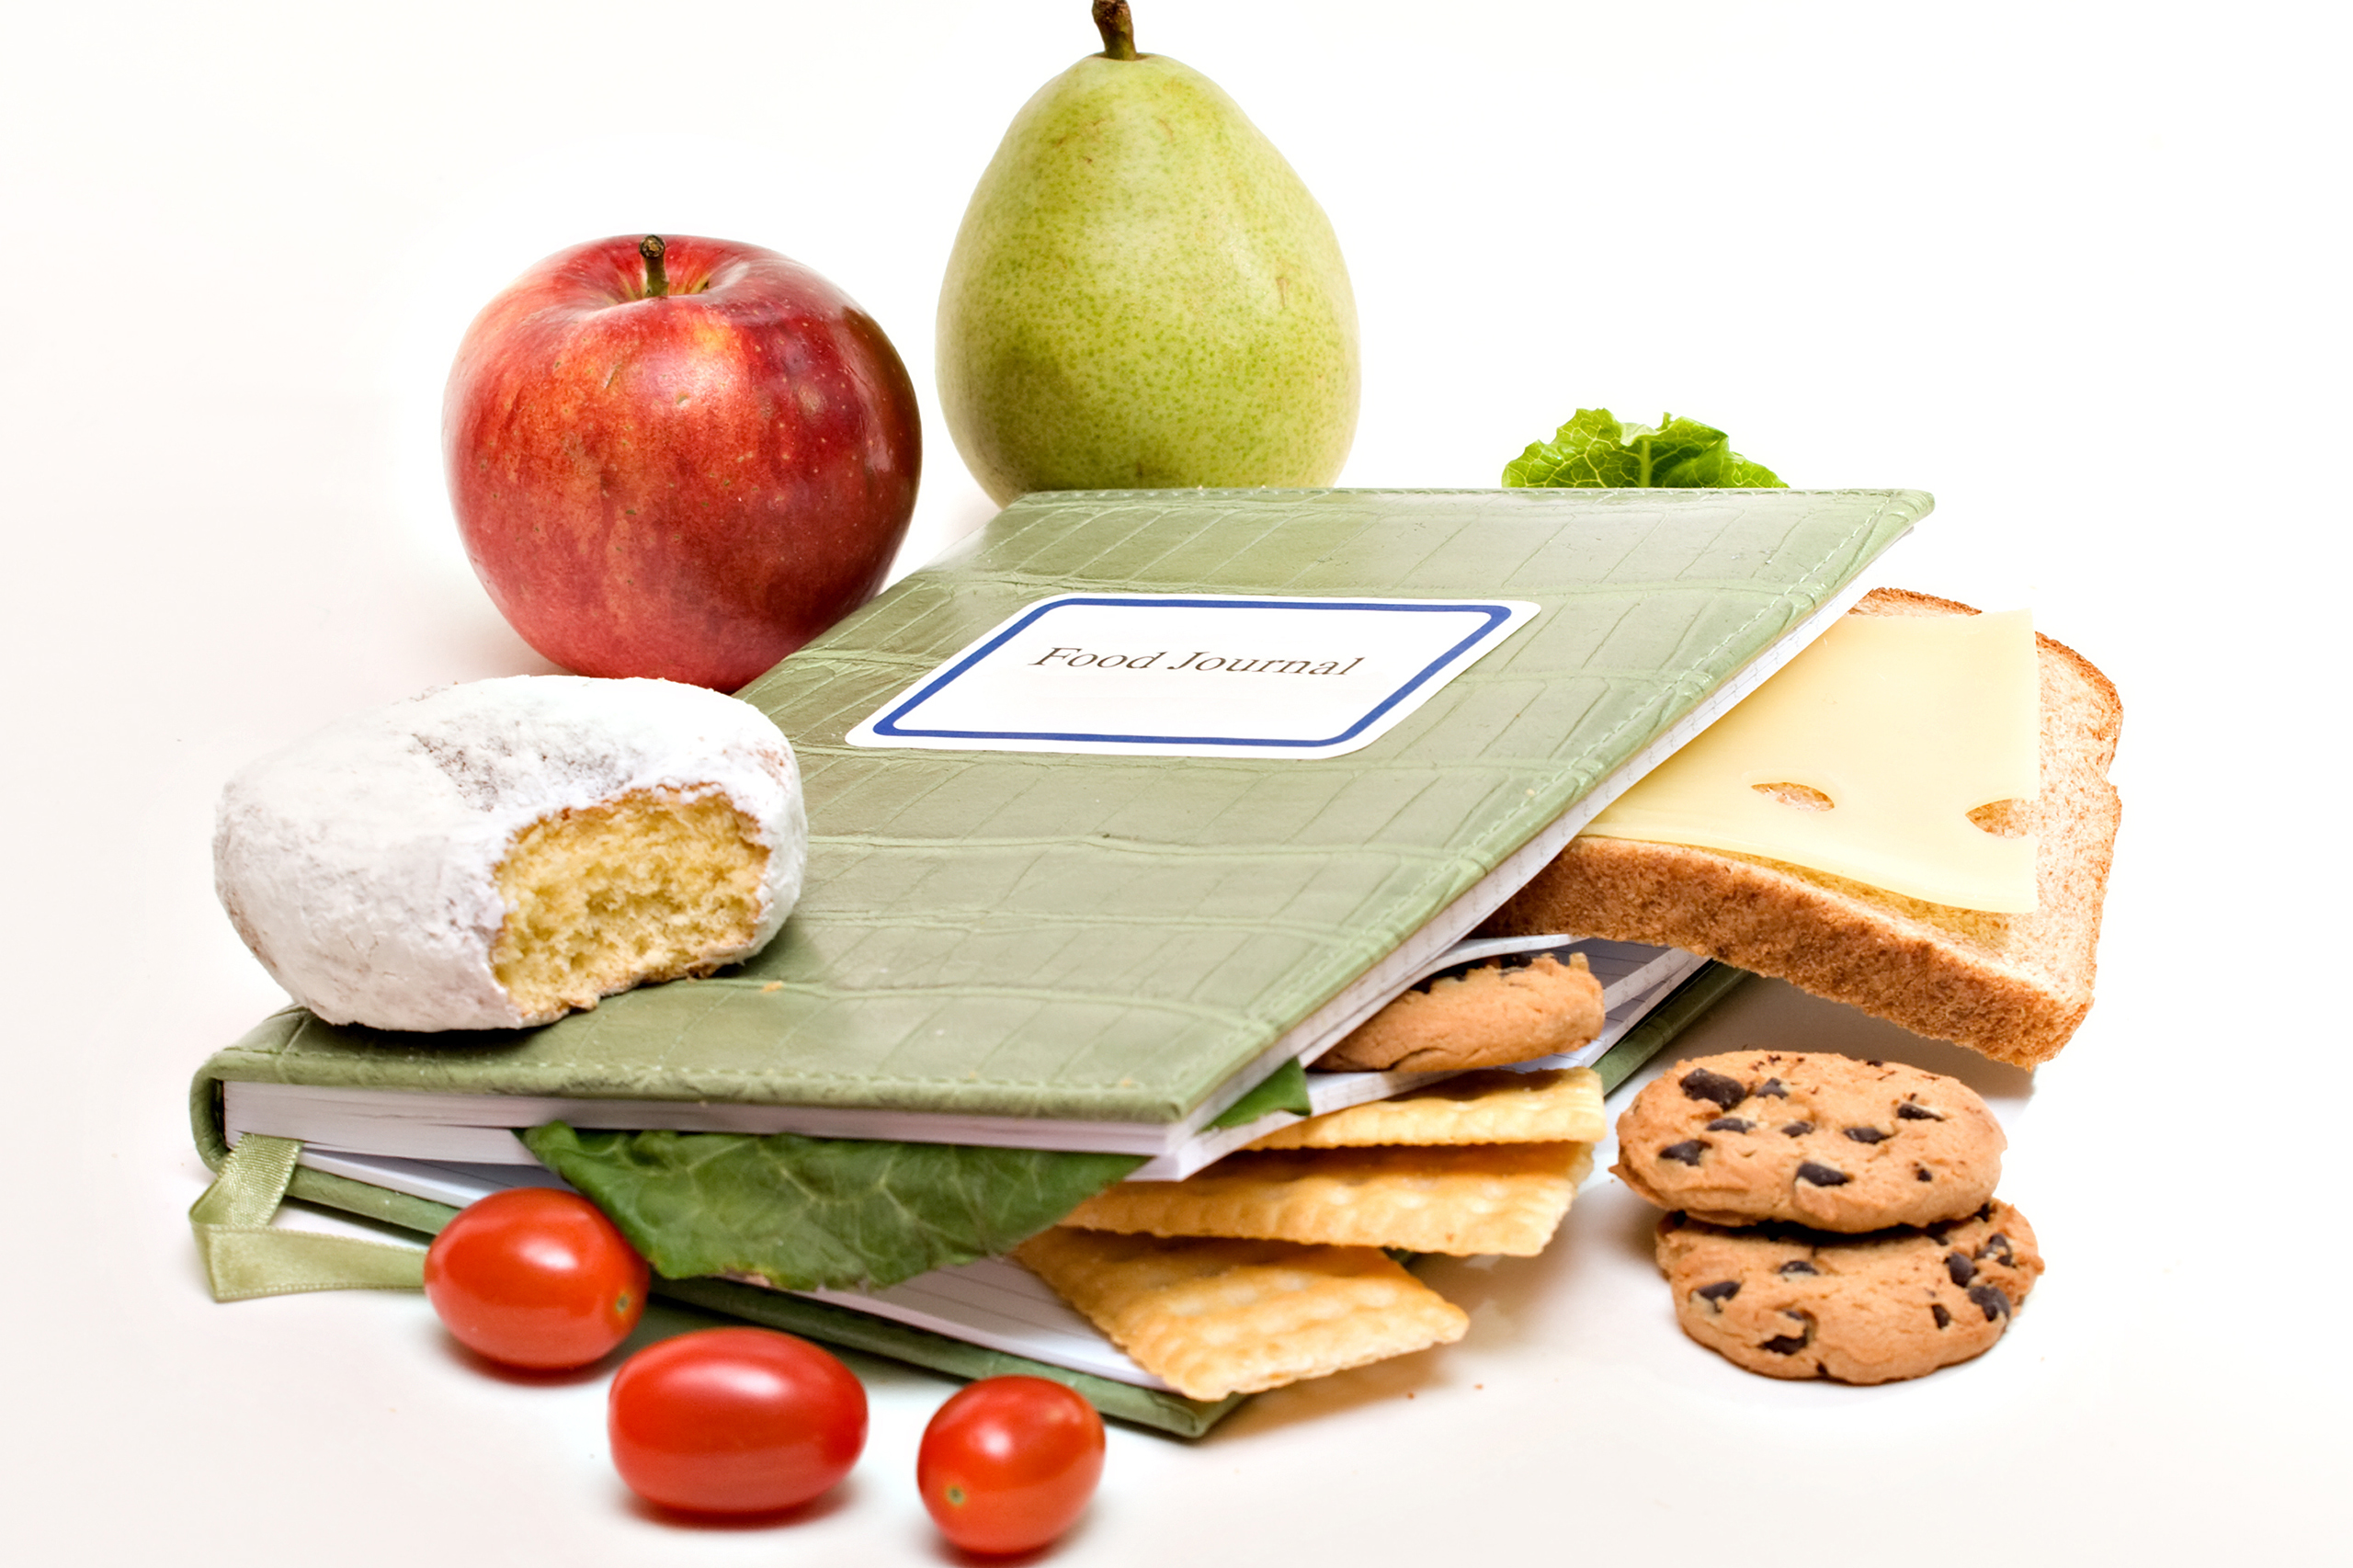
[677, 456]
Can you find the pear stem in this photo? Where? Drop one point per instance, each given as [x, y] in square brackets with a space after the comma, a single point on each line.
[657, 281]
[1119, 32]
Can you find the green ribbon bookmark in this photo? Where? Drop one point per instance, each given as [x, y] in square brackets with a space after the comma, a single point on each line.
[244, 1257]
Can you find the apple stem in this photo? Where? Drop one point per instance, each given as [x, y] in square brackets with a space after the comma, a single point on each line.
[1119, 32]
[657, 281]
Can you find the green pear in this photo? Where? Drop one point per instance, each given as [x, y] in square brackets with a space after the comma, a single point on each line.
[1143, 295]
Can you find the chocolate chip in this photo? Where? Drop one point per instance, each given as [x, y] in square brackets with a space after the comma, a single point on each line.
[1701, 1085]
[1499, 964]
[1687, 1152]
[1773, 1086]
[1959, 1267]
[1873, 1061]
[1723, 1290]
[1944, 1318]
[1866, 1134]
[1910, 1111]
[1920, 1173]
[1997, 1246]
[1797, 1129]
[1731, 1124]
[1791, 1344]
[1992, 1299]
[1821, 1176]
[1797, 1266]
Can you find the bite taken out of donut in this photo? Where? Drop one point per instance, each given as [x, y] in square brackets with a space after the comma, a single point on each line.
[496, 855]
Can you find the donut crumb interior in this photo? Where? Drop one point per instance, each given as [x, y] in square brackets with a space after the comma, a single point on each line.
[652, 885]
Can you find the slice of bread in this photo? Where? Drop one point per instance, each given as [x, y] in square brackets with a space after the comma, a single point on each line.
[2012, 986]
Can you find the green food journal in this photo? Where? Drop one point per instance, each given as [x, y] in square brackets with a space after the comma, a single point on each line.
[1112, 946]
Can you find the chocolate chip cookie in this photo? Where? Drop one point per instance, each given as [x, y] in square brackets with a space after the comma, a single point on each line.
[1811, 1139]
[1489, 1016]
[1869, 1309]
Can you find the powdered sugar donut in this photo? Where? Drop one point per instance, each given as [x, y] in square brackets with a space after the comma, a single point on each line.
[494, 855]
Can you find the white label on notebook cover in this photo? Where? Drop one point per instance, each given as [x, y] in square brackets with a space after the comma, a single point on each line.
[1170, 675]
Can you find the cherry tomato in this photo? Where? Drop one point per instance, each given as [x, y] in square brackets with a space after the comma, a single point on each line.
[734, 1421]
[533, 1277]
[1008, 1464]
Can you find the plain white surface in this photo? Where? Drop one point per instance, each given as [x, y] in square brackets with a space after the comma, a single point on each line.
[2075, 268]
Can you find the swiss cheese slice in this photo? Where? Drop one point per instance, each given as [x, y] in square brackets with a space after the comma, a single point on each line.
[1907, 724]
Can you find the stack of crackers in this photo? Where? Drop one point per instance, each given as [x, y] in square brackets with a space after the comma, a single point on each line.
[1276, 1263]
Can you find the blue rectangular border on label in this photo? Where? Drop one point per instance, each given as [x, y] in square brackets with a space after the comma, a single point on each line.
[900, 723]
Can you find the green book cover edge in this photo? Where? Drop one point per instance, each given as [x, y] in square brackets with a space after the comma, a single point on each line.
[1155, 1408]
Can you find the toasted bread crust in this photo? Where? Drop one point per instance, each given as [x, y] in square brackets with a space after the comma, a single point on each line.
[2012, 986]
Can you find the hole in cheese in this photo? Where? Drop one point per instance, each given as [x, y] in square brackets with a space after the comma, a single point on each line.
[1805, 798]
[2013, 818]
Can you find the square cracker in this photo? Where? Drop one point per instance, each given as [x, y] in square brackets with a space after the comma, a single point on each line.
[1562, 1106]
[1495, 1197]
[1214, 1318]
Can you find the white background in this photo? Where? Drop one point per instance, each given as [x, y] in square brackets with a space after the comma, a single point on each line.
[2076, 269]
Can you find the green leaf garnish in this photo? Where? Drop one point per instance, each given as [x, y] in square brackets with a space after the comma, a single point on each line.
[1593, 451]
[1742, 475]
[1285, 1088]
[812, 1213]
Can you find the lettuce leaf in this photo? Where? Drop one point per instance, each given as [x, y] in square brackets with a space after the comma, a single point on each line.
[1742, 475]
[1593, 450]
[812, 1213]
[1285, 1088]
